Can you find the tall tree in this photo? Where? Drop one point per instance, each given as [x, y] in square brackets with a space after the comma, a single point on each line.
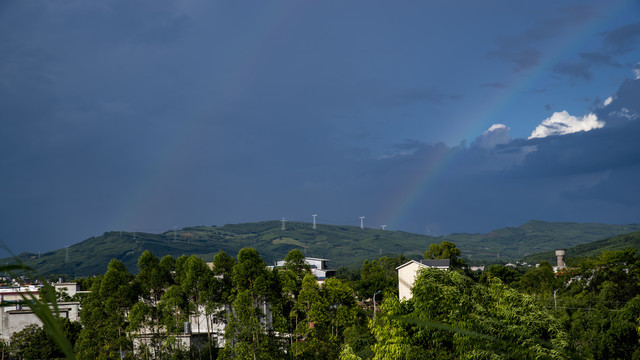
[379, 276]
[249, 332]
[152, 280]
[196, 279]
[323, 314]
[103, 314]
[446, 250]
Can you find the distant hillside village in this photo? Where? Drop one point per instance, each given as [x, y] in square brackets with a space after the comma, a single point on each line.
[300, 308]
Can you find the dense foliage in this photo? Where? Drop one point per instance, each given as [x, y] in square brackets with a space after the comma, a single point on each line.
[248, 310]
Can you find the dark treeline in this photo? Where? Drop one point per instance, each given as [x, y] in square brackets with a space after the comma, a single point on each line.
[247, 310]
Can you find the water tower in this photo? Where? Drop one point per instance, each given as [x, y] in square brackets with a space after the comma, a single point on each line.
[560, 255]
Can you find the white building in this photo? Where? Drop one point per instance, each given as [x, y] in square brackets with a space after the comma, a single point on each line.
[15, 316]
[71, 288]
[195, 333]
[408, 272]
[319, 268]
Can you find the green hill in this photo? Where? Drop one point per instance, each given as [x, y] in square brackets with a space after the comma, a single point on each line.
[619, 242]
[513, 243]
[343, 245]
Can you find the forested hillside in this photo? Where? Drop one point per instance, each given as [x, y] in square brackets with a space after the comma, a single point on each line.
[619, 242]
[343, 245]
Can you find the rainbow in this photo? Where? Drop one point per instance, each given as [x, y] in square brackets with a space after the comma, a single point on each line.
[425, 178]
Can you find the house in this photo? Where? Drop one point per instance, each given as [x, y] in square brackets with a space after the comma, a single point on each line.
[69, 288]
[15, 315]
[319, 268]
[408, 272]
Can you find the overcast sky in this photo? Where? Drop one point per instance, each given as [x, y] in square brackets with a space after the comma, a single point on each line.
[426, 116]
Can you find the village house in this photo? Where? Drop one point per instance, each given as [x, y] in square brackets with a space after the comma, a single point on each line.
[408, 272]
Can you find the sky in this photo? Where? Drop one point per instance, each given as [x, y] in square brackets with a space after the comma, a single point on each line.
[432, 117]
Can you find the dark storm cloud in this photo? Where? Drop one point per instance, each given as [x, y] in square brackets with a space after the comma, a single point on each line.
[544, 178]
[494, 85]
[117, 114]
[409, 144]
[584, 175]
[582, 69]
[579, 70]
[522, 49]
[397, 97]
[521, 58]
[596, 58]
[623, 39]
[624, 106]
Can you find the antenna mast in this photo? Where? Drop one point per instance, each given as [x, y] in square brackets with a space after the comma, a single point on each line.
[314, 221]
[362, 222]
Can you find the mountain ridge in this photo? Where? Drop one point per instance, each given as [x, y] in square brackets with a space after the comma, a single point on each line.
[344, 245]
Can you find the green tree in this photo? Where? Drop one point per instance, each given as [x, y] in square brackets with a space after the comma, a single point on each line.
[308, 308]
[223, 270]
[245, 332]
[507, 274]
[103, 314]
[249, 331]
[446, 250]
[33, 342]
[174, 309]
[196, 280]
[323, 314]
[152, 280]
[452, 317]
[295, 263]
[540, 280]
[599, 303]
[379, 276]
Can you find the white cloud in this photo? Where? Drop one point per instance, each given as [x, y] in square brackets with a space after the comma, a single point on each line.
[608, 101]
[561, 123]
[636, 71]
[497, 134]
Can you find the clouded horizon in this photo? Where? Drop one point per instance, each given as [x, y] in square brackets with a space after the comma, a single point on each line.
[429, 117]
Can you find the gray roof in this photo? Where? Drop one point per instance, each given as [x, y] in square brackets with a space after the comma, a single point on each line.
[435, 262]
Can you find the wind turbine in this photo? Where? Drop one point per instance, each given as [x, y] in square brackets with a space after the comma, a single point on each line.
[314, 220]
[383, 226]
[283, 221]
[362, 222]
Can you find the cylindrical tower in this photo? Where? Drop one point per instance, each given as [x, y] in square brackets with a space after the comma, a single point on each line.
[560, 255]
